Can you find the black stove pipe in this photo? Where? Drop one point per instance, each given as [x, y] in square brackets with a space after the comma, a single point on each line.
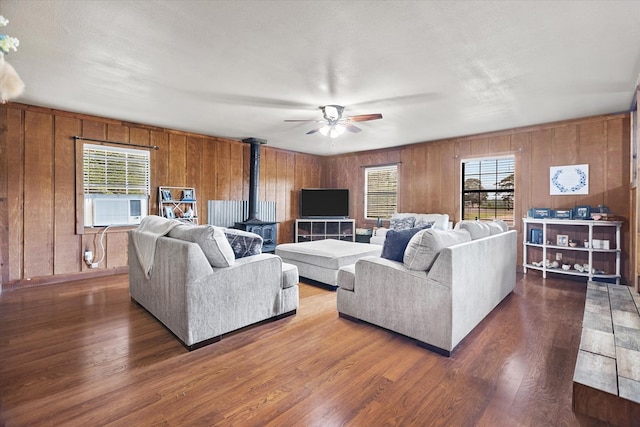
[254, 177]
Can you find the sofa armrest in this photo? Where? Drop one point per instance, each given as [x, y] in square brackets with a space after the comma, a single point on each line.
[388, 294]
[481, 273]
[232, 297]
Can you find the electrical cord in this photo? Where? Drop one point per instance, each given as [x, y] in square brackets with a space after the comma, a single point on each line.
[89, 260]
[102, 245]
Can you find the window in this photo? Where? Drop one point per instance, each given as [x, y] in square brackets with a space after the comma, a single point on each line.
[488, 189]
[115, 184]
[380, 191]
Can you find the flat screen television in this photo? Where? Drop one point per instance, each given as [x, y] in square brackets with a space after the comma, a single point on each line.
[324, 203]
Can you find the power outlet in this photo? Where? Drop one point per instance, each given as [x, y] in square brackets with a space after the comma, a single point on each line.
[558, 256]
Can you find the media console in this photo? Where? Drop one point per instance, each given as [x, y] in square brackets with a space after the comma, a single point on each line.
[308, 230]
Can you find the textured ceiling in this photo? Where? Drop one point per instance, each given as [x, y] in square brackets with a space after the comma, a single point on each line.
[238, 69]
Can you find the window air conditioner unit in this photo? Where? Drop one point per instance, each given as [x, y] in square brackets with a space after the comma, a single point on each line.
[103, 211]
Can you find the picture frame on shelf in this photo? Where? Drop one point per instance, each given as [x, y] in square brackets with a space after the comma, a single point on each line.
[166, 195]
[187, 195]
[582, 212]
[540, 213]
[563, 214]
[562, 240]
[168, 212]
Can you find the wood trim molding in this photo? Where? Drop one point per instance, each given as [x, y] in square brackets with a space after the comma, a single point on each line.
[61, 278]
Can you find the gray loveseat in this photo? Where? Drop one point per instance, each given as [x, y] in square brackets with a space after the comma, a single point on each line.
[199, 302]
[453, 283]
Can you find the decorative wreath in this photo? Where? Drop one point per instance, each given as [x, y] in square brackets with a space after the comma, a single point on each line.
[562, 188]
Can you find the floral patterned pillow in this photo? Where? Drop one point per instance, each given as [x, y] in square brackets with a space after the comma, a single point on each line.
[399, 224]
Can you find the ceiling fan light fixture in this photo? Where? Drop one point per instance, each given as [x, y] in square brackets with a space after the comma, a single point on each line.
[332, 113]
[332, 131]
[336, 130]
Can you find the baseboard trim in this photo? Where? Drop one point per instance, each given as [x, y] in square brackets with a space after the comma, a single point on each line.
[61, 278]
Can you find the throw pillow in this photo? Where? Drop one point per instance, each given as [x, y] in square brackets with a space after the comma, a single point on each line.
[396, 242]
[243, 243]
[424, 247]
[494, 228]
[440, 221]
[402, 223]
[211, 240]
[421, 223]
[477, 229]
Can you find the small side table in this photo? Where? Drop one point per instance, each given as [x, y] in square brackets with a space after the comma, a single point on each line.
[363, 235]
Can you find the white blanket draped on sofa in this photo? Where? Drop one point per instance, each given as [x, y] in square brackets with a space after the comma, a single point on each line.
[144, 241]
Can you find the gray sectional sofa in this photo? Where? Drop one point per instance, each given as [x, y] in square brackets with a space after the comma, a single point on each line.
[199, 290]
[449, 281]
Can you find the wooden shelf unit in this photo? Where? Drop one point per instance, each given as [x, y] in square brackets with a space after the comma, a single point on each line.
[172, 199]
[308, 230]
[606, 262]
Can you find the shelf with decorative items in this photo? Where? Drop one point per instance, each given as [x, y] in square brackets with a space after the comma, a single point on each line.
[178, 203]
[577, 247]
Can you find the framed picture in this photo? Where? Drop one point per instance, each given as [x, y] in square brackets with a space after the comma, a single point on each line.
[166, 195]
[582, 212]
[570, 179]
[562, 240]
[168, 212]
[187, 194]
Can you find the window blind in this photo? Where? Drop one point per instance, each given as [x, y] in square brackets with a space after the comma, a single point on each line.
[117, 171]
[381, 191]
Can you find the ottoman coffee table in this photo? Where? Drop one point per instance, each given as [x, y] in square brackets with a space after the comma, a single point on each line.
[320, 260]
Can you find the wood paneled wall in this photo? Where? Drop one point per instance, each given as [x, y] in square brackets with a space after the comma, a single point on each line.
[430, 171]
[38, 239]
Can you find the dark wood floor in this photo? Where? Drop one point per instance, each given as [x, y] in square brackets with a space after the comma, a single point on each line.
[81, 353]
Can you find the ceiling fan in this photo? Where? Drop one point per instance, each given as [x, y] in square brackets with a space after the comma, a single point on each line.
[336, 123]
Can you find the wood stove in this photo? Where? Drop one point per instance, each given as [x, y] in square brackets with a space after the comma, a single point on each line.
[267, 230]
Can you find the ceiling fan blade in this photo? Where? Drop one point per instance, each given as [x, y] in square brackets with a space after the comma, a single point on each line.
[312, 131]
[364, 117]
[352, 128]
[303, 120]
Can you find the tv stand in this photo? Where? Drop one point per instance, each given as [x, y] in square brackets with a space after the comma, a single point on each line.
[311, 229]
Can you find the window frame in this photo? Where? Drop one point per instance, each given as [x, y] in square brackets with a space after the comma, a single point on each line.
[367, 170]
[494, 189]
[81, 195]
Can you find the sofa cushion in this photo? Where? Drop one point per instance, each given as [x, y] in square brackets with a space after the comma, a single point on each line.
[243, 243]
[424, 246]
[502, 224]
[494, 228]
[396, 243]
[403, 223]
[477, 229]
[211, 240]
